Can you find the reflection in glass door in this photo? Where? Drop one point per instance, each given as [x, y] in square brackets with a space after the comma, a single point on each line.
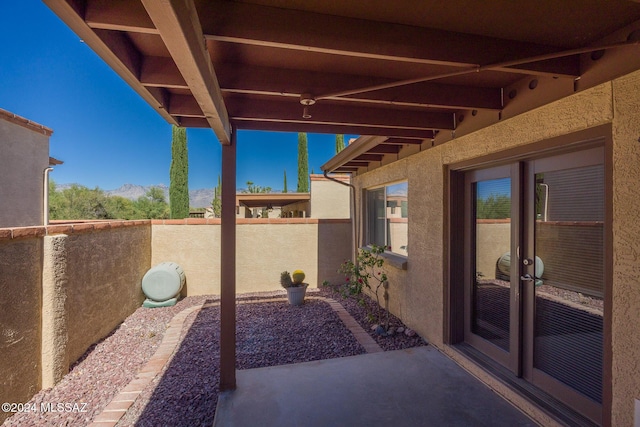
[534, 273]
[491, 293]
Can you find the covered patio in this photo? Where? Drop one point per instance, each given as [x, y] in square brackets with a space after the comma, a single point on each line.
[404, 388]
[411, 77]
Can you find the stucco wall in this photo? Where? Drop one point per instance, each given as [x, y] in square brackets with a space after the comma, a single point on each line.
[64, 287]
[418, 295]
[20, 282]
[334, 247]
[330, 199]
[264, 248]
[104, 271]
[626, 249]
[25, 155]
[493, 240]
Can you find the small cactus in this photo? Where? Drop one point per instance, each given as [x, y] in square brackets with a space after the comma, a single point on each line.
[298, 277]
[285, 279]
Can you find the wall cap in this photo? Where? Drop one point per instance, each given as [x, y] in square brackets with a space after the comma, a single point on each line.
[67, 227]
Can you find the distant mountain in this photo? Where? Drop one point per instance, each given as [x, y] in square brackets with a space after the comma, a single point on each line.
[200, 198]
[133, 192]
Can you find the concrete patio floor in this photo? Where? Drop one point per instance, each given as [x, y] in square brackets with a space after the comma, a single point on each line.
[413, 387]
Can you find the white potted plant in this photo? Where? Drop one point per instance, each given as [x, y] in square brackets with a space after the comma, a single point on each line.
[296, 288]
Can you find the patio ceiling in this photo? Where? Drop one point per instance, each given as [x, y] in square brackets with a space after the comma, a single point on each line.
[417, 73]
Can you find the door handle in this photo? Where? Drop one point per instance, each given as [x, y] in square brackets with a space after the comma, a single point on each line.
[526, 278]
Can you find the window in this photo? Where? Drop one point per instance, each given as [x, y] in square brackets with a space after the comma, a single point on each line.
[387, 217]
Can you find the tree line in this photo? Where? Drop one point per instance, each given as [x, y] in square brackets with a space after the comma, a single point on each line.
[79, 202]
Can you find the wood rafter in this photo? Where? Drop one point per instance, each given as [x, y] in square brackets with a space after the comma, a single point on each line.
[115, 49]
[179, 26]
[292, 83]
[306, 31]
[291, 111]
[372, 70]
[304, 126]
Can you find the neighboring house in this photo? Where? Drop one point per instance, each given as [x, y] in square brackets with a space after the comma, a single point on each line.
[330, 199]
[327, 199]
[24, 167]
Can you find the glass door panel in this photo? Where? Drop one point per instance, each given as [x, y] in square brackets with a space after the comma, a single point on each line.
[569, 277]
[491, 289]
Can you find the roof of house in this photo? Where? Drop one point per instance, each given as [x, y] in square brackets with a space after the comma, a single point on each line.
[259, 200]
[29, 124]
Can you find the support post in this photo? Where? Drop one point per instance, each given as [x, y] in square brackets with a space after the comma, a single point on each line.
[228, 268]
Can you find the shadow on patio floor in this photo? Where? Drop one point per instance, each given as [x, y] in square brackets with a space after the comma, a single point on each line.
[412, 387]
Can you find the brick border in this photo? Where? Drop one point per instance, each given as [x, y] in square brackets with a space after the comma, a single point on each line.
[121, 403]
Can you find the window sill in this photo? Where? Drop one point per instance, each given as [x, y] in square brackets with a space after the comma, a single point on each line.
[394, 260]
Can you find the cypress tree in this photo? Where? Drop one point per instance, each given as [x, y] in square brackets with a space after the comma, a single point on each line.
[339, 143]
[179, 174]
[217, 199]
[303, 164]
[285, 181]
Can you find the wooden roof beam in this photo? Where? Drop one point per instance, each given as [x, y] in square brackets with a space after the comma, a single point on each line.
[385, 149]
[289, 110]
[179, 26]
[235, 78]
[118, 16]
[114, 48]
[237, 22]
[356, 164]
[303, 126]
[370, 157]
[161, 72]
[403, 141]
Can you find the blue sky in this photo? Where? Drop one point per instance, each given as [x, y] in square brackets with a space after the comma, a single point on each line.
[104, 132]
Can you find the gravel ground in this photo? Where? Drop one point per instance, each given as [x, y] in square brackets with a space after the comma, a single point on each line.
[105, 368]
[186, 392]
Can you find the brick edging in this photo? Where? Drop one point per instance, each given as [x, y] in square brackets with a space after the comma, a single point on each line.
[121, 403]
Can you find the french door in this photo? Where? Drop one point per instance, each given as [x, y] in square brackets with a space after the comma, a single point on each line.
[534, 272]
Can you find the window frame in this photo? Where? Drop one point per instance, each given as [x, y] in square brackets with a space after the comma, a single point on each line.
[369, 222]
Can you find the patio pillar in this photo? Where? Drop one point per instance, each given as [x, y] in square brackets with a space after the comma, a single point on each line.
[228, 268]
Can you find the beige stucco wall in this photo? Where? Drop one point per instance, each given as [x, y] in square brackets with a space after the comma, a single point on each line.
[334, 247]
[417, 293]
[626, 249]
[20, 282]
[264, 249]
[329, 199]
[195, 248]
[493, 241]
[25, 155]
[64, 287]
[104, 273]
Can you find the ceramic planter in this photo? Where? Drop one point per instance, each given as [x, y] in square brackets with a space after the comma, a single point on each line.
[295, 295]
